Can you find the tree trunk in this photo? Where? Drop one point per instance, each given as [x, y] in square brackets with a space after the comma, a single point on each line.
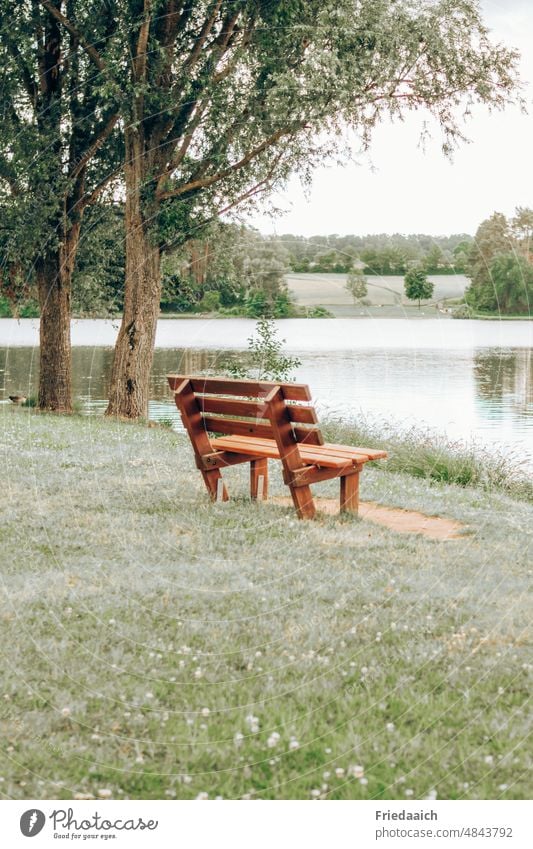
[134, 349]
[55, 370]
[54, 285]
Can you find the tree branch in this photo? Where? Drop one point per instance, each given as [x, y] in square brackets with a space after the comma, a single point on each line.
[91, 198]
[139, 61]
[204, 34]
[205, 182]
[101, 135]
[91, 51]
[27, 77]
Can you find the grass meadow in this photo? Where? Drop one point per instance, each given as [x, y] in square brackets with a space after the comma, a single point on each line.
[157, 646]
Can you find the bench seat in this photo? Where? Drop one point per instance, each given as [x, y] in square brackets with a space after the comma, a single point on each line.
[327, 456]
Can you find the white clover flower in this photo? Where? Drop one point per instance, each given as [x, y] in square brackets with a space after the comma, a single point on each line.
[205, 711]
[65, 711]
[273, 740]
[186, 779]
[432, 794]
[253, 723]
[315, 793]
[408, 791]
[238, 738]
[104, 793]
[326, 775]
[488, 759]
[339, 772]
[294, 744]
[356, 770]
[202, 796]
[363, 781]
[198, 673]
[149, 695]
[390, 726]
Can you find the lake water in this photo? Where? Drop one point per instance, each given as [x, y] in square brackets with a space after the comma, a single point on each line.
[468, 379]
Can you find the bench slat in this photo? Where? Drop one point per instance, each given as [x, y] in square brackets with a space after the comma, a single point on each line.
[237, 426]
[229, 386]
[371, 453]
[232, 407]
[268, 448]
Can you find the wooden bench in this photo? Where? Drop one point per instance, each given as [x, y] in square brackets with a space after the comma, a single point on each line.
[246, 421]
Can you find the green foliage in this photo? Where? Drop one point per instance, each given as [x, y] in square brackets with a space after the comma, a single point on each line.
[5, 307]
[265, 360]
[461, 253]
[210, 302]
[21, 309]
[29, 309]
[232, 269]
[417, 286]
[512, 278]
[463, 311]
[356, 285]
[500, 265]
[319, 312]
[98, 279]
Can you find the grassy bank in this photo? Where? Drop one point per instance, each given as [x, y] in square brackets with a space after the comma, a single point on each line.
[426, 454]
[155, 645]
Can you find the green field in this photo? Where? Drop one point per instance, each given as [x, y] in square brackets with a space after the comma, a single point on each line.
[385, 295]
[155, 645]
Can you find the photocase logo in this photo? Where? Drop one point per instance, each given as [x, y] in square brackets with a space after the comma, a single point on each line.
[32, 822]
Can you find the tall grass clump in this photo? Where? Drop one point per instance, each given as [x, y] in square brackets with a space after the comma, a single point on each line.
[425, 453]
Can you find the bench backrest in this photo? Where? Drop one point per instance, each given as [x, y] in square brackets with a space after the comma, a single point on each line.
[246, 408]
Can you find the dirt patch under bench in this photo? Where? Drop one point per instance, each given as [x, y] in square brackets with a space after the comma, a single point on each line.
[402, 521]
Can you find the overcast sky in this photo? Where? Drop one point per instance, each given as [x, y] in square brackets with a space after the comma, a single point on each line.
[413, 191]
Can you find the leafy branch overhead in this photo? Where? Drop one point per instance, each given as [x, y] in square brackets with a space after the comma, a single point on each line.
[230, 97]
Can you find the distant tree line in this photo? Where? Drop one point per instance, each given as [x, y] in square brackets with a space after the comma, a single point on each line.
[381, 254]
[234, 270]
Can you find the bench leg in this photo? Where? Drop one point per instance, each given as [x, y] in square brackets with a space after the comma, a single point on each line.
[259, 479]
[350, 493]
[302, 499]
[215, 485]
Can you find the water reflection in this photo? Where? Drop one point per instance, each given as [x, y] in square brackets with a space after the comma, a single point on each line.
[485, 393]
